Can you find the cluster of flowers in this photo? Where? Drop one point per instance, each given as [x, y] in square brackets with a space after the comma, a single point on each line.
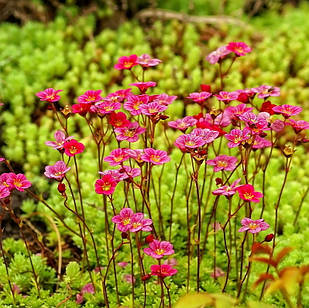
[10, 181]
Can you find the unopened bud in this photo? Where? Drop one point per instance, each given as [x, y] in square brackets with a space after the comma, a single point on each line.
[61, 188]
[288, 151]
[124, 235]
[269, 237]
[146, 277]
[149, 238]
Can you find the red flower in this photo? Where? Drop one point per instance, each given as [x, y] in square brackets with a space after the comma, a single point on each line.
[81, 108]
[239, 48]
[163, 270]
[268, 107]
[247, 193]
[126, 63]
[118, 119]
[106, 185]
[73, 147]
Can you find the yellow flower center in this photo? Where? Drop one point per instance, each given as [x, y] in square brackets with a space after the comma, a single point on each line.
[221, 163]
[126, 221]
[155, 158]
[253, 226]
[248, 196]
[159, 251]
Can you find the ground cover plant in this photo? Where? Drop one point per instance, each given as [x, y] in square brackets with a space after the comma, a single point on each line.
[224, 136]
[72, 245]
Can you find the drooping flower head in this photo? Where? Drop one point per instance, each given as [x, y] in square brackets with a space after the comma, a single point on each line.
[159, 249]
[90, 97]
[60, 140]
[106, 185]
[247, 193]
[155, 157]
[253, 226]
[126, 63]
[223, 162]
[73, 147]
[56, 171]
[239, 48]
[217, 55]
[49, 95]
[146, 60]
[163, 270]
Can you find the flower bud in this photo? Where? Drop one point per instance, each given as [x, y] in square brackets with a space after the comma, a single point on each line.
[146, 277]
[243, 98]
[269, 237]
[124, 235]
[288, 151]
[61, 188]
[149, 238]
[205, 87]
[219, 181]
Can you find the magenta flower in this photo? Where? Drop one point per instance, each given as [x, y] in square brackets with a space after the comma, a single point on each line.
[117, 156]
[4, 177]
[4, 192]
[82, 109]
[278, 125]
[144, 86]
[247, 193]
[129, 278]
[123, 264]
[60, 140]
[126, 172]
[106, 185]
[73, 147]
[237, 136]
[57, 171]
[253, 226]
[126, 63]
[239, 48]
[266, 91]
[298, 126]
[146, 60]
[287, 110]
[227, 190]
[162, 99]
[2, 159]
[49, 95]
[183, 124]
[260, 143]
[139, 223]
[129, 133]
[90, 96]
[88, 288]
[155, 157]
[223, 162]
[199, 97]
[136, 155]
[118, 119]
[233, 112]
[163, 270]
[217, 273]
[18, 181]
[256, 123]
[226, 96]
[217, 55]
[208, 135]
[123, 220]
[119, 96]
[189, 141]
[159, 249]
[114, 174]
[106, 107]
[152, 109]
[133, 103]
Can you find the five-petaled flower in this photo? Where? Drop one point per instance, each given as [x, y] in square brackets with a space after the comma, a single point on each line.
[253, 226]
[239, 48]
[49, 95]
[247, 193]
[56, 171]
[155, 157]
[18, 181]
[126, 63]
[90, 96]
[159, 249]
[73, 147]
[163, 270]
[223, 162]
[106, 185]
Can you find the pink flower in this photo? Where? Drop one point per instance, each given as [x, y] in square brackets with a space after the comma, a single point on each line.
[237, 137]
[57, 171]
[183, 124]
[2, 159]
[118, 119]
[123, 264]
[278, 126]
[49, 95]
[113, 173]
[136, 154]
[199, 97]
[106, 185]
[162, 99]
[4, 192]
[233, 112]
[144, 86]
[79, 298]
[126, 172]
[207, 135]
[223, 162]
[4, 177]
[164, 270]
[253, 226]
[120, 95]
[287, 110]
[227, 190]
[239, 48]
[117, 156]
[126, 63]
[129, 133]
[226, 96]
[146, 61]
[217, 55]
[60, 140]
[260, 143]
[189, 141]
[256, 123]
[90, 96]
[123, 220]
[88, 288]
[152, 109]
[218, 273]
[106, 107]
[247, 193]
[266, 91]
[129, 278]
[18, 181]
[159, 249]
[155, 157]
[73, 147]
[171, 261]
[139, 223]
[298, 126]
[133, 103]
